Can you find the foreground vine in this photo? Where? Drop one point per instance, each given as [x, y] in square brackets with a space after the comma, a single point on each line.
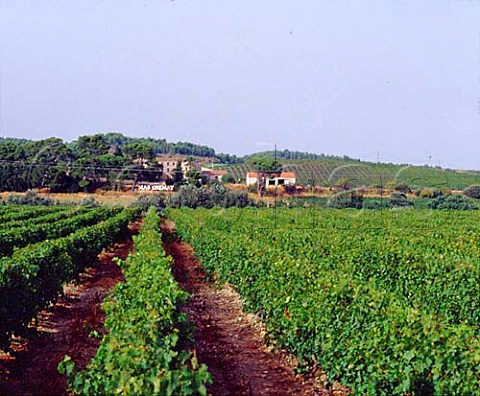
[142, 352]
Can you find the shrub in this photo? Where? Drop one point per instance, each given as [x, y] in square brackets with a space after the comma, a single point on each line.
[30, 198]
[216, 195]
[144, 202]
[342, 184]
[403, 187]
[191, 196]
[430, 193]
[347, 199]
[376, 203]
[400, 199]
[472, 192]
[90, 202]
[225, 198]
[452, 202]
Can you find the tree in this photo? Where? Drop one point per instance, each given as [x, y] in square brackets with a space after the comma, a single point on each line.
[88, 169]
[93, 145]
[195, 177]
[43, 160]
[265, 168]
[177, 175]
[12, 167]
[141, 152]
[228, 178]
[111, 167]
[64, 183]
[142, 165]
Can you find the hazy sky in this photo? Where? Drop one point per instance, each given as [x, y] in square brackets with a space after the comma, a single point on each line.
[398, 78]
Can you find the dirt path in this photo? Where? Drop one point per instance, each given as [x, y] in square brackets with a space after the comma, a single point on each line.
[229, 341]
[64, 329]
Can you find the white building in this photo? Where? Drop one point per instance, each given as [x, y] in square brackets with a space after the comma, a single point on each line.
[251, 178]
[284, 179]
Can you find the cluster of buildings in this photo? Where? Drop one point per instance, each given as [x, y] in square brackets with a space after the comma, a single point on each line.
[170, 164]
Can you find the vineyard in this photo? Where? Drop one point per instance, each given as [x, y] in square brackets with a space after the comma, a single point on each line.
[42, 249]
[385, 302]
[141, 353]
[328, 172]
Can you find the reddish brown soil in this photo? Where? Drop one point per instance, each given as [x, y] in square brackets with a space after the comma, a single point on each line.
[64, 329]
[231, 342]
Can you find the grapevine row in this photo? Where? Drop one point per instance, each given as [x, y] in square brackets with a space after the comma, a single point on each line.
[46, 218]
[27, 212]
[18, 237]
[373, 299]
[32, 277]
[141, 354]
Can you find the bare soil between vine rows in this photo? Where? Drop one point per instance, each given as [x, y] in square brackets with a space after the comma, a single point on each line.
[64, 329]
[231, 342]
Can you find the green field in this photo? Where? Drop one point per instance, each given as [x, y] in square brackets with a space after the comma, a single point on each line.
[386, 302]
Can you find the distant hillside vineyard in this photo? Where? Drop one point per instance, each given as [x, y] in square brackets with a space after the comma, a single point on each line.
[326, 172]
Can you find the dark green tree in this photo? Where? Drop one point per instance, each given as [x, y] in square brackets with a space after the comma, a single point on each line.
[177, 175]
[92, 145]
[265, 168]
[195, 177]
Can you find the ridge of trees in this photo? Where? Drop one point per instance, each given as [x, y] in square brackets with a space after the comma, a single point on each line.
[297, 155]
[90, 162]
[104, 160]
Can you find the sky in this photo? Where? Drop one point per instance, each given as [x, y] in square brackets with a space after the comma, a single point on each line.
[394, 81]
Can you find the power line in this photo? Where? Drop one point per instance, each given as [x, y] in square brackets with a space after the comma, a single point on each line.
[130, 168]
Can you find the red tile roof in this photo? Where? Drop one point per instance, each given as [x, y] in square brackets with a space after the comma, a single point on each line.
[214, 172]
[219, 172]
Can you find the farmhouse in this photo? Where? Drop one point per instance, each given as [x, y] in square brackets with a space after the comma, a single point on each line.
[285, 178]
[169, 163]
[213, 174]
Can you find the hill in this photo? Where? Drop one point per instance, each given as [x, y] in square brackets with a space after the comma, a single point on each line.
[328, 172]
[98, 161]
